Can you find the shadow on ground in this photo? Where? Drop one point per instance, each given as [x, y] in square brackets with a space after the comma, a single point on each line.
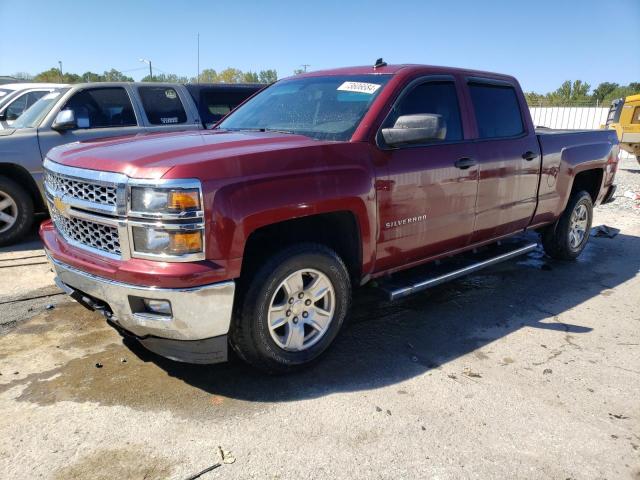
[388, 343]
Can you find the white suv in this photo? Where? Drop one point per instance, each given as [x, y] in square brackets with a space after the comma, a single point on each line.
[15, 98]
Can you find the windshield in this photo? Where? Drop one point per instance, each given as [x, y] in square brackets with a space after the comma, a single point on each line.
[33, 116]
[324, 108]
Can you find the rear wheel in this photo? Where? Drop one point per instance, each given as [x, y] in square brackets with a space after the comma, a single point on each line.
[566, 239]
[293, 309]
[16, 211]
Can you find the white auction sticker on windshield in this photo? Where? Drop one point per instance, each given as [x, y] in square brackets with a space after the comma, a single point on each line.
[360, 87]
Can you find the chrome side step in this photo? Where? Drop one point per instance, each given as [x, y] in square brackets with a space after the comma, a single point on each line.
[437, 273]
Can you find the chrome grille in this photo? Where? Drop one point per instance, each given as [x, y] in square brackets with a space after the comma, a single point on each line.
[90, 234]
[83, 190]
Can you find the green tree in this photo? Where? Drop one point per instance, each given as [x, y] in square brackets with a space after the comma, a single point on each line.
[49, 76]
[92, 77]
[268, 76]
[570, 93]
[250, 77]
[208, 75]
[230, 75]
[534, 99]
[298, 71]
[166, 77]
[114, 75]
[603, 90]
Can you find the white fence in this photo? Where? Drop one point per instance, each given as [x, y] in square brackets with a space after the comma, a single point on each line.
[569, 117]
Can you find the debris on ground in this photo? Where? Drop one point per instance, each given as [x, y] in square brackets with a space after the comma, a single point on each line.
[618, 416]
[604, 231]
[50, 306]
[202, 472]
[547, 371]
[226, 456]
[99, 365]
[631, 195]
[470, 373]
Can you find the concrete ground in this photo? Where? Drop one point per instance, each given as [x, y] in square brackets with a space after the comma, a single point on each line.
[530, 369]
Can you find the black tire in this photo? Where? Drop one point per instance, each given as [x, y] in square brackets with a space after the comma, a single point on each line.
[24, 215]
[556, 238]
[250, 336]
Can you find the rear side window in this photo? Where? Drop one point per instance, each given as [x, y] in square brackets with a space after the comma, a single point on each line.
[438, 98]
[102, 108]
[636, 116]
[497, 110]
[162, 105]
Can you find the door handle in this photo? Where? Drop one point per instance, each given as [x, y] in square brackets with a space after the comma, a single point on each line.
[465, 163]
[528, 156]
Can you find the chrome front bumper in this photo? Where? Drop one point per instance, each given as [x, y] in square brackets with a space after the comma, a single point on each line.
[198, 313]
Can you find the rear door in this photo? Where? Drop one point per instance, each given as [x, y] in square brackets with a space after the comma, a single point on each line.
[508, 156]
[100, 112]
[426, 202]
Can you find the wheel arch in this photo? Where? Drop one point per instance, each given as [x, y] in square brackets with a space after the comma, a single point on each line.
[339, 230]
[23, 178]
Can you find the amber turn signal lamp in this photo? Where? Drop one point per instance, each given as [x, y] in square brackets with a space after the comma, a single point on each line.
[189, 242]
[184, 200]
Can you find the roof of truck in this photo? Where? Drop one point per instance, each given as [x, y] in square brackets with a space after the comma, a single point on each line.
[408, 68]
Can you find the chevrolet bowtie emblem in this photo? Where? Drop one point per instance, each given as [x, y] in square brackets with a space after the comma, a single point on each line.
[61, 206]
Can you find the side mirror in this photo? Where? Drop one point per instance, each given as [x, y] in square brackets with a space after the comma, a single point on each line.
[416, 128]
[65, 120]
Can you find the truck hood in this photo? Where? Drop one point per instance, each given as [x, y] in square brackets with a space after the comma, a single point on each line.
[152, 155]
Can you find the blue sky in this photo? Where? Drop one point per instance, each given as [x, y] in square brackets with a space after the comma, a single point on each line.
[541, 42]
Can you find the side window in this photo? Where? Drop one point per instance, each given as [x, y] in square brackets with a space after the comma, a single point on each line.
[438, 98]
[102, 108]
[15, 108]
[162, 105]
[33, 97]
[497, 110]
[636, 116]
[218, 104]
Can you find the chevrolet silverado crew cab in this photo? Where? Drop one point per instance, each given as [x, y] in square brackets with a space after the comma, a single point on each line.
[253, 234]
[90, 111]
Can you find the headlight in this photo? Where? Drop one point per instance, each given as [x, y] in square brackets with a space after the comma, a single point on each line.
[161, 200]
[158, 241]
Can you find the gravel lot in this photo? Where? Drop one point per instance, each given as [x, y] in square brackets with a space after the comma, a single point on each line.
[530, 369]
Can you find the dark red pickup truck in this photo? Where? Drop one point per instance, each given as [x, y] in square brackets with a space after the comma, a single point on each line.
[254, 233]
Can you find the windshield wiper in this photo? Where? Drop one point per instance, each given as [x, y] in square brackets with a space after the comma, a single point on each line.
[274, 130]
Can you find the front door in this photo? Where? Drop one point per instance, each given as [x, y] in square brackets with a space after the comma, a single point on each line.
[426, 195]
[100, 112]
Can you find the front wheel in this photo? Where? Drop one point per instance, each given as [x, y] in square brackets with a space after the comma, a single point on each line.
[566, 239]
[16, 211]
[293, 309]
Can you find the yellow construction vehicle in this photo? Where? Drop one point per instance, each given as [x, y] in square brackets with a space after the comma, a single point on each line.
[624, 118]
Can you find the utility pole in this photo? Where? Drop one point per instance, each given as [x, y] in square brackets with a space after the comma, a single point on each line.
[150, 69]
[198, 77]
[61, 76]
[304, 66]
